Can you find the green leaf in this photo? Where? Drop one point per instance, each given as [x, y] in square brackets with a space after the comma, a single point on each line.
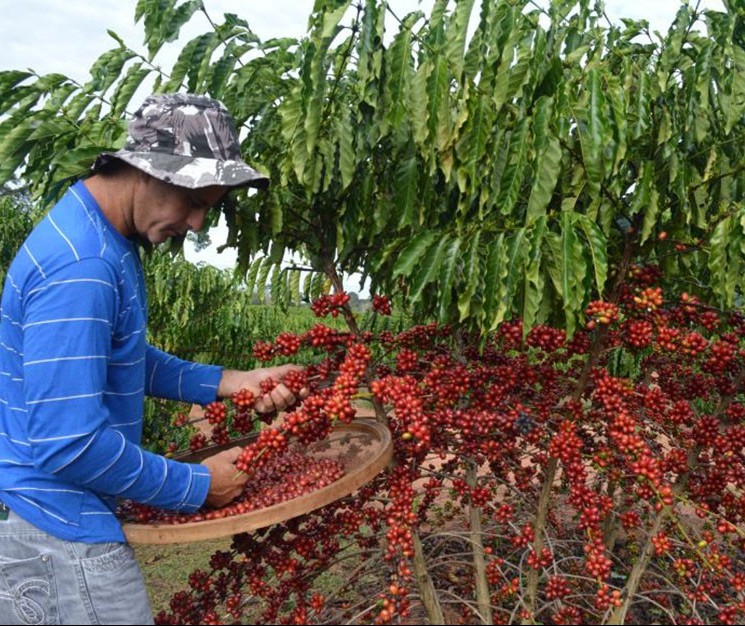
[12, 150]
[330, 22]
[597, 246]
[181, 67]
[107, 68]
[76, 162]
[127, 87]
[552, 255]
[615, 150]
[474, 140]
[419, 102]
[412, 253]
[77, 104]
[572, 269]
[345, 136]
[294, 286]
[370, 53]
[399, 75]
[718, 265]
[438, 101]
[293, 132]
[8, 81]
[276, 217]
[533, 285]
[448, 278]
[406, 192]
[736, 101]
[517, 252]
[200, 75]
[651, 213]
[262, 276]
[495, 271]
[592, 130]
[547, 163]
[278, 288]
[514, 172]
[115, 37]
[472, 275]
[163, 20]
[643, 191]
[643, 101]
[428, 271]
[252, 274]
[513, 74]
[455, 37]
[54, 127]
[224, 66]
[548, 166]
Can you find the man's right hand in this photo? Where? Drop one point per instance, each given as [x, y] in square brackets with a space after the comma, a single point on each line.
[226, 482]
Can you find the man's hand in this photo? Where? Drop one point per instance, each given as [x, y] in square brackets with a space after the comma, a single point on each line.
[226, 483]
[278, 399]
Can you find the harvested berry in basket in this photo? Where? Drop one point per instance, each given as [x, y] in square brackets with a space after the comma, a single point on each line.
[283, 477]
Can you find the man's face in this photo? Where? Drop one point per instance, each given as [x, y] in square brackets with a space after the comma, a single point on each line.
[163, 210]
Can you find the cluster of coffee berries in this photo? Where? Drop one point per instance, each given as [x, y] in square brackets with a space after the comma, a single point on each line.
[243, 400]
[381, 305]
[649, 299]
[329, 304]
[601, 312]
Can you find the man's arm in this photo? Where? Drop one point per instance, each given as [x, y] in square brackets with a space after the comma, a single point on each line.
[172, 378]
[68, 325]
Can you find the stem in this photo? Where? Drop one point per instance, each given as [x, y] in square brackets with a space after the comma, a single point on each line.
[540, 525]
[256, 458]
[595, 351]
[427, 591]
[610, 526]
[632, 584]
[477, 547]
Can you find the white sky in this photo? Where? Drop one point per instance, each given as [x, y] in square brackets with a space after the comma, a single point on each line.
[66, 36]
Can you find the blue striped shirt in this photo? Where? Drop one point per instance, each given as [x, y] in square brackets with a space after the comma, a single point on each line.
[74, 369]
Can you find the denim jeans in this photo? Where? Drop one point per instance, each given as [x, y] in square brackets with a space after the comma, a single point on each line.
[45, 580]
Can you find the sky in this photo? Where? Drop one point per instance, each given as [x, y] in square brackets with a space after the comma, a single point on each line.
[66, 36]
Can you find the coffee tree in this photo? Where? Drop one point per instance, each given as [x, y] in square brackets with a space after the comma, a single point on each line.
[562, 198]
[17, 218]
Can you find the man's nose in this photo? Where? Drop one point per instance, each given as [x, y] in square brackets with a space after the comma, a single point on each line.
[196, 219]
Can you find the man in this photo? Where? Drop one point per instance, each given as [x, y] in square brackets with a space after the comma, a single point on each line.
[75, 366]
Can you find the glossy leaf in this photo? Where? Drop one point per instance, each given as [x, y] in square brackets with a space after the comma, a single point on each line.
[472, 274]
[411, 255]
[428, 271]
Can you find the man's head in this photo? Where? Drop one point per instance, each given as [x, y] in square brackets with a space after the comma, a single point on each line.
[182, 156]
[186, 140]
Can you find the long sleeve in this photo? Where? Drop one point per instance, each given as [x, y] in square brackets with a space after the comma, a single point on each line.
[71, 383]
[175, 379]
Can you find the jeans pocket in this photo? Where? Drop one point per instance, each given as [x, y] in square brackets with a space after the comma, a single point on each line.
[116, 587]
[29, 595]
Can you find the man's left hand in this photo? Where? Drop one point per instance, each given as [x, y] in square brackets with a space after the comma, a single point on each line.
[276, 400]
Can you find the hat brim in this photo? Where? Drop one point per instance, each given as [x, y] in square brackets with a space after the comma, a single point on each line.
[189, 172]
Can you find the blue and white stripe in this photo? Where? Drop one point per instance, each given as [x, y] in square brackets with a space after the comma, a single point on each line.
[75, 368]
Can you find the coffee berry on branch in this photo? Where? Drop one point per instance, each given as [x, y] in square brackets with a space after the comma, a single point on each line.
[537, 478]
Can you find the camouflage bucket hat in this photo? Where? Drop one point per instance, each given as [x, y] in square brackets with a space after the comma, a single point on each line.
[186, 140]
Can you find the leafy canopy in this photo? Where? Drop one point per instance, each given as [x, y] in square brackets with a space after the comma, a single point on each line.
[509, 167]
